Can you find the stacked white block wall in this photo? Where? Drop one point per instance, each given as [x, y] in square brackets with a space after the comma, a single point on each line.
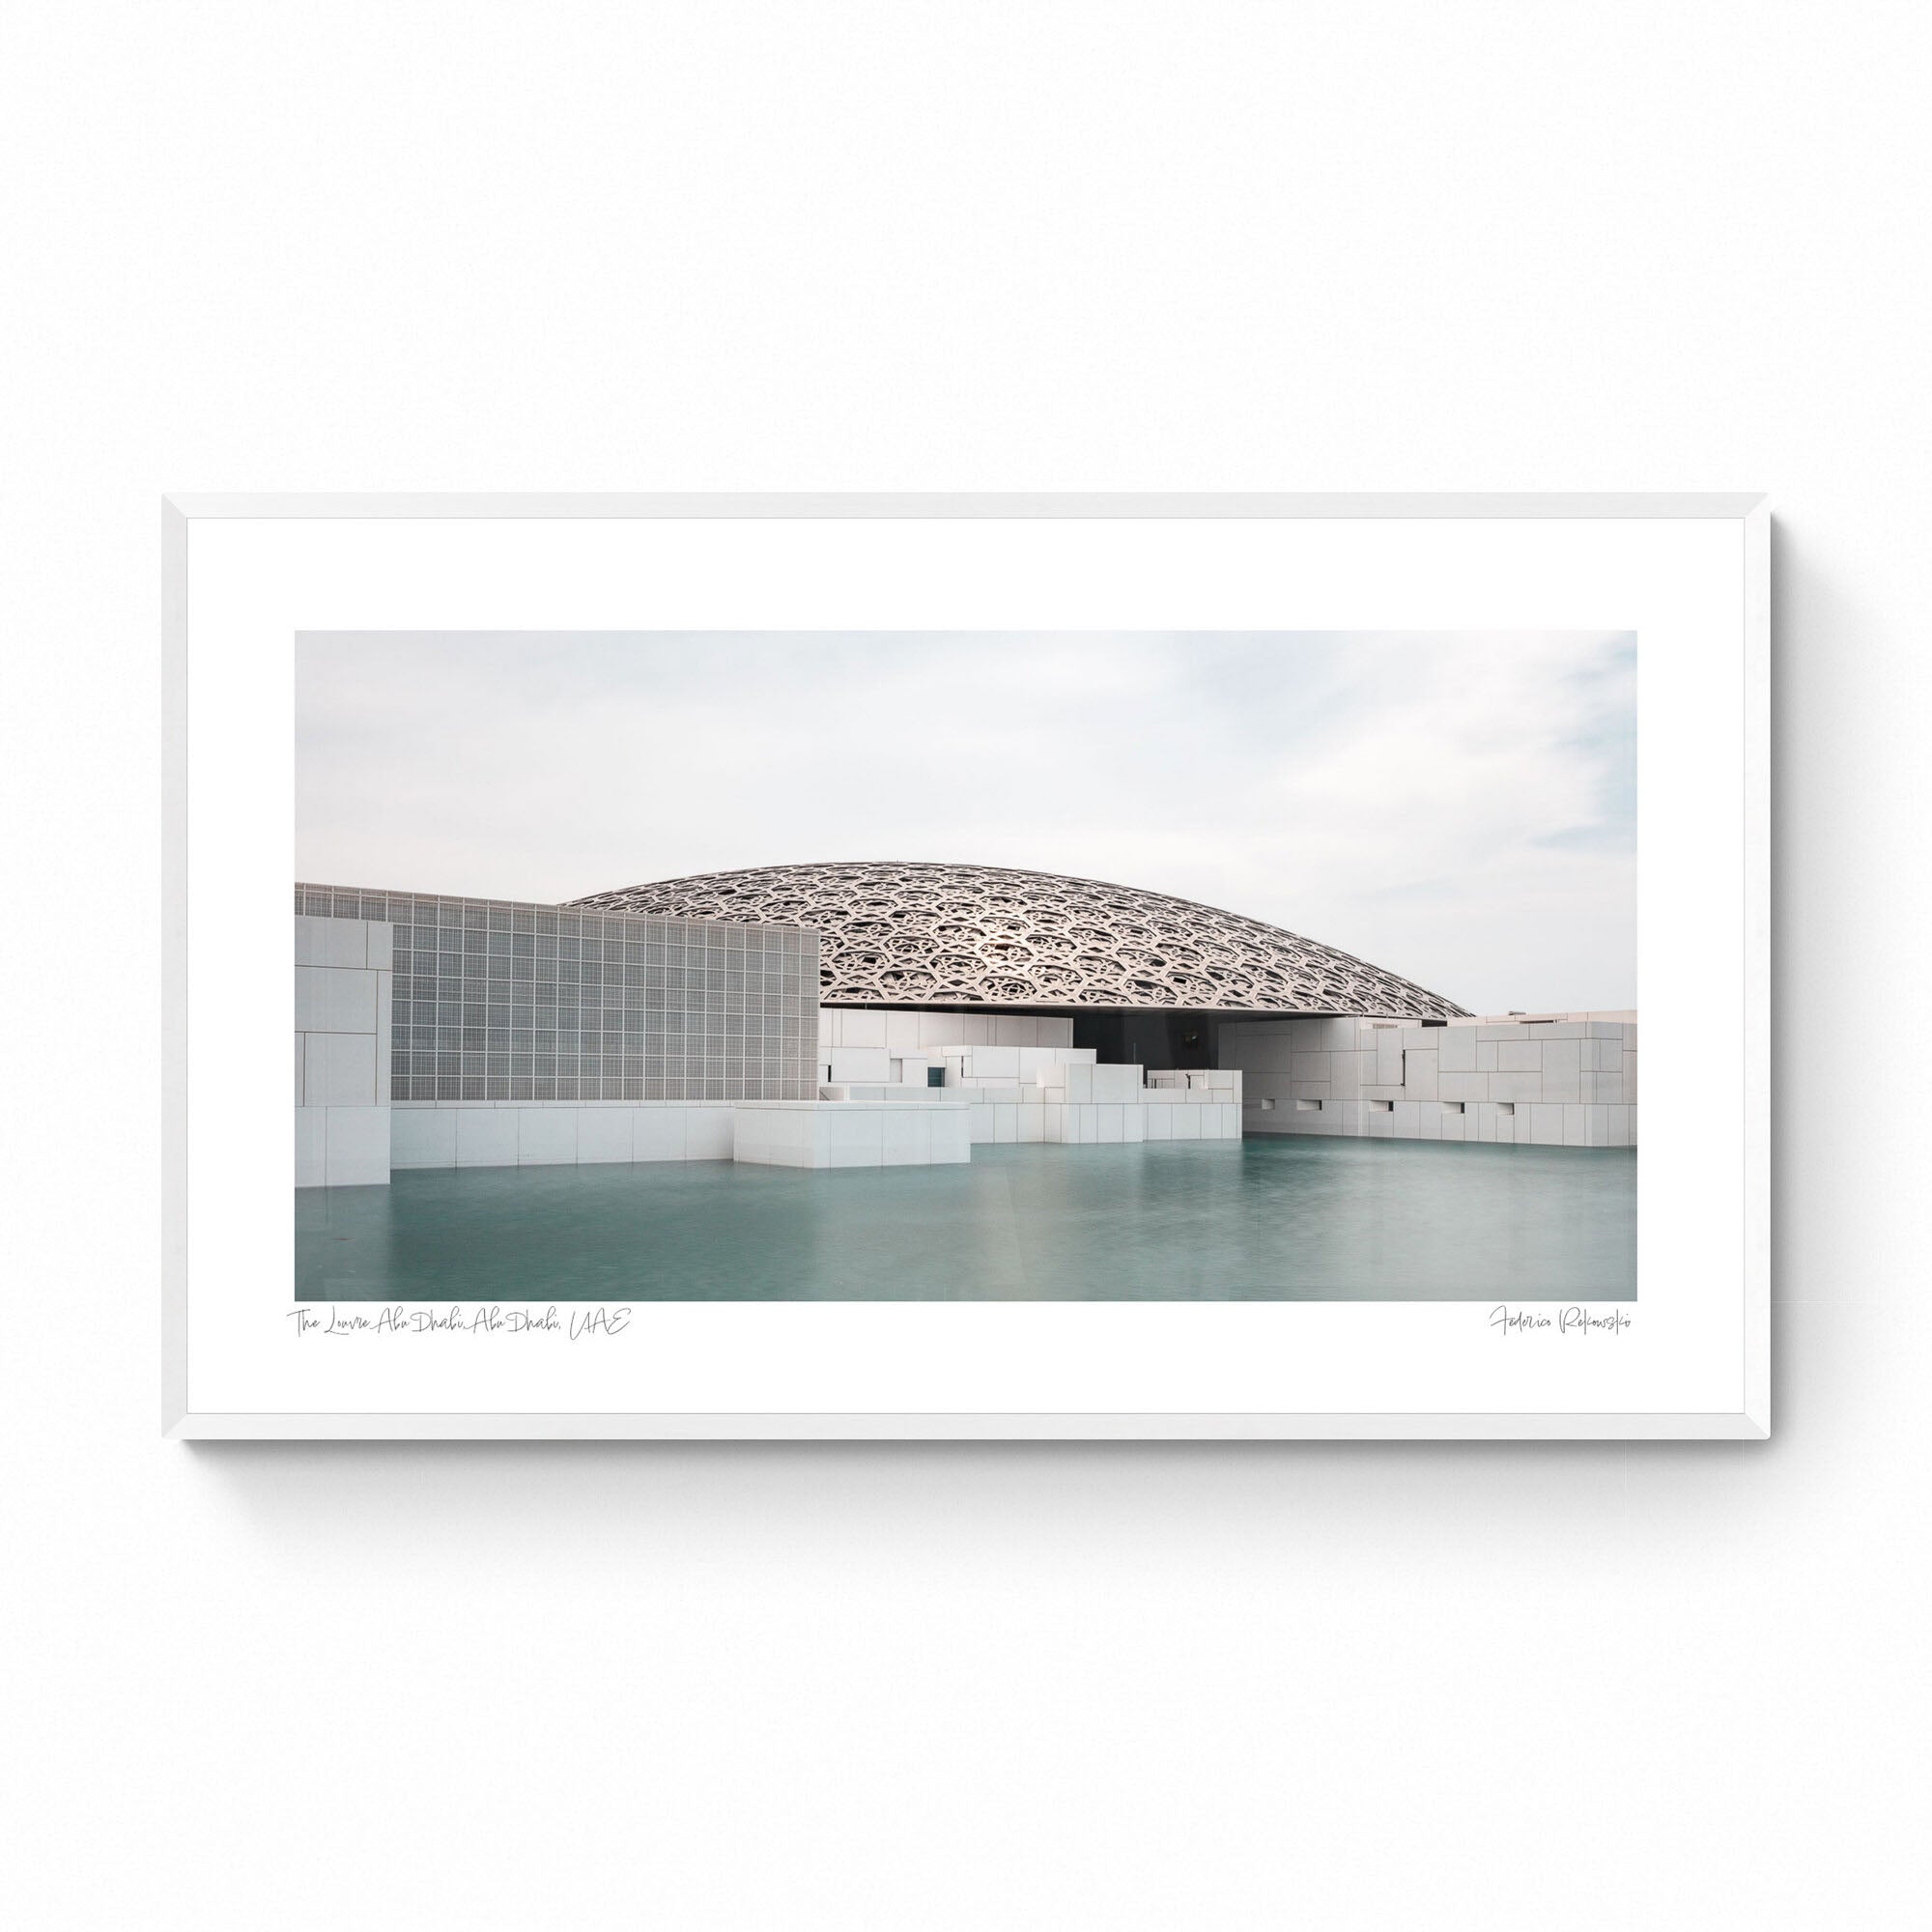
[344, 992]
[876, 1045]
[851, 1133]
[553, 1133]
[1022, 1077]
[1562, 1080]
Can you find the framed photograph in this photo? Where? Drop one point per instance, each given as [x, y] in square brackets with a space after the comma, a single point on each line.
[980, 967]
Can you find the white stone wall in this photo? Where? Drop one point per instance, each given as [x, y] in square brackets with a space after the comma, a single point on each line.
[875, 1047]
[851, 1133]
[1075, 1102]
[1023, 1079]
[344, 991]
[1562, 1080]
[552, 1134]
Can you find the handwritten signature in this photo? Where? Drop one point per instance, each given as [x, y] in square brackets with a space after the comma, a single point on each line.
[1574, 1321]
[488, 1319]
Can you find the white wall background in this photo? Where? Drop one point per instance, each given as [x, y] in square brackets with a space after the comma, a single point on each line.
[1006, 246]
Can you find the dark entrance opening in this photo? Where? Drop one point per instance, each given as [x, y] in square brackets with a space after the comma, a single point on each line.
[1156, 1037]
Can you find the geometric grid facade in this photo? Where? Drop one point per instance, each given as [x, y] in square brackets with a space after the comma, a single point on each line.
[897, 934]
[504, 1000]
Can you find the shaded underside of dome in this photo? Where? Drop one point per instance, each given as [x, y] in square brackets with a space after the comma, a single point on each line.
[925, 934]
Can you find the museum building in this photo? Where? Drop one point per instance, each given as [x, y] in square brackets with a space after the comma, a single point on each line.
[887, 1014]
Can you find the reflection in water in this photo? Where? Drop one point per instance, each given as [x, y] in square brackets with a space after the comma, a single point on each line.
[1271, 1219]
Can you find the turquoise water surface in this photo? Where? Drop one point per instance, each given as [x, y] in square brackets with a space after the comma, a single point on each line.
[1278, 1218]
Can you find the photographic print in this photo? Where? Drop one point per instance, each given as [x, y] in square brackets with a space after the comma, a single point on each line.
[940, 966]
[967, 967]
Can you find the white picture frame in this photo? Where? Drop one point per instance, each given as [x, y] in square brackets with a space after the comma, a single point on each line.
[243, 573]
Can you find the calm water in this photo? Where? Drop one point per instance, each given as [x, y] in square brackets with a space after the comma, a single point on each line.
[1275, 1219]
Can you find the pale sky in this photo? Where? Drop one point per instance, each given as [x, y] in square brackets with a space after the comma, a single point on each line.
[1459, 808]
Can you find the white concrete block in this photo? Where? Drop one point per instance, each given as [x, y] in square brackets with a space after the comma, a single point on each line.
[1546, 1125]
[1116, 1084]
[860, 1063]
[864, 1029]
[905, 1137]
[1562, 1070]
[1457, 1045]
[1519, 1056]
[382, 944]
[606, 1134]
[1005, 1122]
[707, 1133]
[1517, 1087]
[1031, 1124]
[546, 1136]
[1079, 1084]
[1419, 1072]
[952, 1143]
[339, 1071]
[486, 1136]
[979, 1122]
[995, 1063]
[311, 1147]
[335, 999]
[854, 1139]
[302, 1047]
[330, 942]
[385, 1009]
[422, 1137]
[658, 1134]
[1260, 1052]
[357, 1148]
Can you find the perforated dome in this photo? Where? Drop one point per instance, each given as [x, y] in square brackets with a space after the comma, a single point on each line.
[918, 934]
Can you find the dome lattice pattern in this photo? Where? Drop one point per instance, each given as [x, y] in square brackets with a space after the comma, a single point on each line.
[918, 934]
